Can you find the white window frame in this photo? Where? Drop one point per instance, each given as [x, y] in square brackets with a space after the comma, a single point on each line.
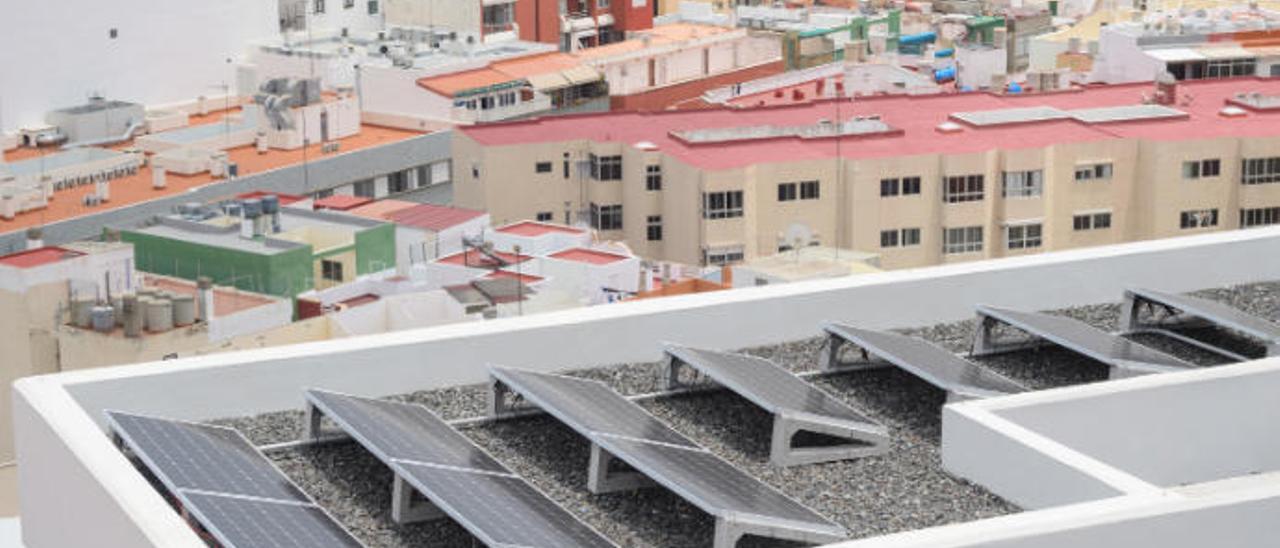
[1023, 184]
[1023, 235]
[962, 239]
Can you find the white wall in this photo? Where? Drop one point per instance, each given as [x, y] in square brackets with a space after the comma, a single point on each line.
[65, 464]
[254, 320]
[56, 53]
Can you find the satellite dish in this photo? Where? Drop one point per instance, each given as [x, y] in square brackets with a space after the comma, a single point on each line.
[797, 232]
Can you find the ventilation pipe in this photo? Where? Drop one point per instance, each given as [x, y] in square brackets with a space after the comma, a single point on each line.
[132, 316]
[35, 238]
[204, 290]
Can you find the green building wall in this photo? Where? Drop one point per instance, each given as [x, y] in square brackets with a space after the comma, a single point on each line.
[284, 274]
[376, 249]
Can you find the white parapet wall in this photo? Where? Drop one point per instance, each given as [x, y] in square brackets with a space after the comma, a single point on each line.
[68, 467]
[1181, 460]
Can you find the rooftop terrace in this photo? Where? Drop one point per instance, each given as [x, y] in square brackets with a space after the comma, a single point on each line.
[68, 203]
[917, 118]
[68, 466]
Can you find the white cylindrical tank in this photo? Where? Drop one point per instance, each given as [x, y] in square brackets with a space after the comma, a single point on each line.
[184, 310]
[157, 177]
[103, 319]
[159, 315]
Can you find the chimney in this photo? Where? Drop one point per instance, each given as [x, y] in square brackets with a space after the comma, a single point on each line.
[1166, 89]
[132, 316]
[101, 188]
[157, 177]
[204, 288]
[35, 238]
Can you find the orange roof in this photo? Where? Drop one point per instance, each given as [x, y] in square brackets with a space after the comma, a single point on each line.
[589, 256]
[38, 257]
[498, 72]
[534, 229]
[381, 209]
[67, 204]
[340, 202]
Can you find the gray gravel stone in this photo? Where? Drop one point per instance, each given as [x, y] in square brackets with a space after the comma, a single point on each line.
[902, 490]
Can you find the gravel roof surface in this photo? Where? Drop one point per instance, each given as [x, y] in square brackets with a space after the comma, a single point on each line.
[902, 490]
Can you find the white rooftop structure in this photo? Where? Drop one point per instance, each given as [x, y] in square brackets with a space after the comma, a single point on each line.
[1178, 460]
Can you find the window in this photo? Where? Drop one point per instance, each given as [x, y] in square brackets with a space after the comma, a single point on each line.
[967, 239]
[605, 168]
[1090, 172]
[508, 98]
[1199, 218]
[1091, 221]
[363, 189]
[475, 171]
[653, 228]
[1256, 171]
[318, 6]
[373, 7]
[544, 216]
[113, 34]
[890, 187]
[1226, 68]
[1023, 184]
[910, 185]
[888, 238]
[398, 182]
[606, 217]
[486, 102]
[1259, 217]
[653, 177]
[1024, 236]
[963, 188]
[1198, 169]
[910, 237]
[542, 167]
[324, 193]
[786, 192]
[331, 270]
[602, 4]
[809, 190]
[722, 205]
[497, 18]
[566, 165]
[348, 4]
[721, 256]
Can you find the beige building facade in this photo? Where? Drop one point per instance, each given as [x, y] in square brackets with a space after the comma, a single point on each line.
[914, 209]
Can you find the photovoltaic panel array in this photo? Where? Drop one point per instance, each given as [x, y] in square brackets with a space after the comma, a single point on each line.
[458, 477]
[1214, 312]
[629, 433]
[228, 485]
[931, 363]
[1087, 340]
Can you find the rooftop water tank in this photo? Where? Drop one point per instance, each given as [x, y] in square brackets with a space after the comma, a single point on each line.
[103, 319]
[159, 315]
[270, 204]
[252, 208]
[184, 310]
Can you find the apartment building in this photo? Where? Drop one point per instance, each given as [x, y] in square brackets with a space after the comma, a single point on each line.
[578, 24]
[918, 179]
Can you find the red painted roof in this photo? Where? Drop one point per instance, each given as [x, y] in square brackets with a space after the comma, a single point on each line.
[433, 217]
[534, 229]
[285, 199]
[524, 278]
[589, 256]
[38, 257]
[916, 116]
[475, 259]
[340, 202]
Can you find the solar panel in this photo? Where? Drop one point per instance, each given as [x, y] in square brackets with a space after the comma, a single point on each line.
[1117, 352]
[764, 383]
[1004, 116]
[500, 510]
[927, 361]
[591, 406]
[202, 457]
[402, 431]
[455, 474]
[240, 522]
[1102, 115]
[230, 488]
[796, 405]
[742, 504]
[1212, 311]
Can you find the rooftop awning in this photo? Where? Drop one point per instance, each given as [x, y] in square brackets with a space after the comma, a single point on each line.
[547, 80]
[581, 75]
[1226, 52]
[1176, 55]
